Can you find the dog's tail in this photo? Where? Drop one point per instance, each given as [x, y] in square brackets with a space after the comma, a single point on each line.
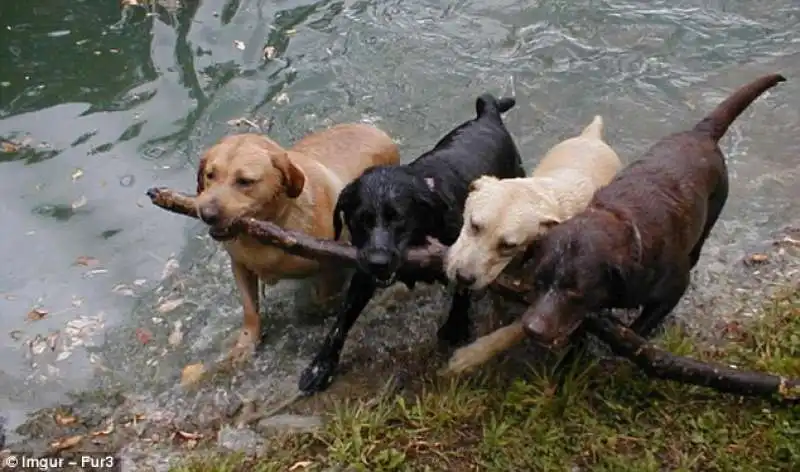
[716, 124]
[594, 129]
[487, 103]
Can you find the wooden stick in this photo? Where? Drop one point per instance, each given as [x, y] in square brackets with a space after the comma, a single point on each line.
[624, 342]
[664, 365]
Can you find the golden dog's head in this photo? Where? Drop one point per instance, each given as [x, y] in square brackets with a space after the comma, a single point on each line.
[501, 219]
[244, 175]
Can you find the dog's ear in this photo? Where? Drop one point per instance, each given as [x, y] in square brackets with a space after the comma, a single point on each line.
[201, 175]
[549, 221]
[480, 181]
[293, 178]
[344, 203]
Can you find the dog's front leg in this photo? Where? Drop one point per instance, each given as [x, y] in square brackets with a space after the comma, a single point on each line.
[247, 283]
[663, 300]
[319, 375]
[456, 330]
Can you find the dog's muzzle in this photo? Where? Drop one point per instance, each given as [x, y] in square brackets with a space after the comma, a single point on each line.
[381, 265]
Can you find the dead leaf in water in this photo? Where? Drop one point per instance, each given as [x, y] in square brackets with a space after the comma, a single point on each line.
[143, 335]
[77, 174]
[176, 336]
[52, 339]
[79, 203]
[66, 443]
[37, 314]
[192, 374]
[10, 147]
[170, 305]
[63, 356]
[169, 268]
[758, 258]
[87, 261]
[64, 420]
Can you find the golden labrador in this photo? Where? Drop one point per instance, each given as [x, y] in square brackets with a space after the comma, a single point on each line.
[252, 175]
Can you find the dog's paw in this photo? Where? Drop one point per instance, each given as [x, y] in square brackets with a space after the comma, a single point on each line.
[242, 351]
[318, 376]
[466, 359]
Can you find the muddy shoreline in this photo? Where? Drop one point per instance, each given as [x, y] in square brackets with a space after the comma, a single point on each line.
[148, 431]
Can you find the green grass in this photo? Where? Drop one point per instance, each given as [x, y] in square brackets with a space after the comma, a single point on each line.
[609, 417]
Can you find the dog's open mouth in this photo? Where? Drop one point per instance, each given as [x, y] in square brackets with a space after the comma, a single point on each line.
[220, 233]
[384, 282]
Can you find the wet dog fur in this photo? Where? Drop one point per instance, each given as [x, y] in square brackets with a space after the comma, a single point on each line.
[250, 175]
[637, 241]
[504, 216]
[390, 209]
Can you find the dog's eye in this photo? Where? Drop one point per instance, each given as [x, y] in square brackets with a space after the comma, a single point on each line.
[476, 228]
[505, 246]
[210, 175]
[244, 182]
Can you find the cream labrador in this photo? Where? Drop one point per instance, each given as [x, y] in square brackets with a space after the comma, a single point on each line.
[503, 216]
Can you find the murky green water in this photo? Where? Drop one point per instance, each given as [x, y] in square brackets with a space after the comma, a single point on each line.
[97, 106]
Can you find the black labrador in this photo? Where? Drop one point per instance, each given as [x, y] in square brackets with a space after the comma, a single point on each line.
[389, 209]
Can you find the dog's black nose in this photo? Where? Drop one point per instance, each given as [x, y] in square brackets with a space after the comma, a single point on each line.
[379, 262]
[465, 280]
[209, 214]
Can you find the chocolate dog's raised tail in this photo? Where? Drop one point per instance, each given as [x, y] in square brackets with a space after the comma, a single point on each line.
[717, 123]
[487, 103]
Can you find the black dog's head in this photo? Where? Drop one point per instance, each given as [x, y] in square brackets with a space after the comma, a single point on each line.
[387, 210]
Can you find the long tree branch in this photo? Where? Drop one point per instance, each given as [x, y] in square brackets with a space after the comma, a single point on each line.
[664, 365]
[624, 342]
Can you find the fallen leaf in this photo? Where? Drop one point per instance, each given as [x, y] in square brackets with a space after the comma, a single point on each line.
[37, 314]
[87, 261]
[758, 258]
[10, 147]
[79, 203]
[63, 355]
[192, 373]
[239, 45]
[37, 344]
[176, 336]
[123, 289]
[143, 335]
[66, 443]
[64, 420]
[300, 464]
[187, 435]
[104, 432]
[52, 339]
[270, 52]
[170, 305]
[169, 268]
[77, 174]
